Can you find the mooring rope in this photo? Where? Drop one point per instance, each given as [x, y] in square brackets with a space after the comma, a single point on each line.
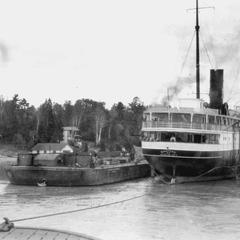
[107, 204]
[203, 174]
[76, 210]
[211, 170]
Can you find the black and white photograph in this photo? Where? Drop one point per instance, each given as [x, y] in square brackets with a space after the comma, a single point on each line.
[120, 120]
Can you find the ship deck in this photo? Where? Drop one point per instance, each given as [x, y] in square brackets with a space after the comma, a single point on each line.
[22, 233]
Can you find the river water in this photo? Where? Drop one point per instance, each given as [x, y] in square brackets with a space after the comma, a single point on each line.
[188, 211]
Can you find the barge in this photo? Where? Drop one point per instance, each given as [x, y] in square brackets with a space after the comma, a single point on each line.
[51, 169]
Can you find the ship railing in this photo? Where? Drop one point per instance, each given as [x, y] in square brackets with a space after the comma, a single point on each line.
[169, 124]
[158, 124]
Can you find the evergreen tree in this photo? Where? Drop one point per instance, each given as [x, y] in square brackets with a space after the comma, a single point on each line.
[68, 113]
[47, 123]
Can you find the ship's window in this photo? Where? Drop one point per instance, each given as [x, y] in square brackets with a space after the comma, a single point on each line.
[165, 136]
[148, 136]
[229, 122]
[145, 136]
[190, 138]
[152, 136]
[162, 117]
[211, 119]
[218, 120]
[224, 121]
[234, 123]
[212, 138]
[146, 116]
[199, 118]
[158, 136]
[181, 117]
[197, 138]
[182, 137]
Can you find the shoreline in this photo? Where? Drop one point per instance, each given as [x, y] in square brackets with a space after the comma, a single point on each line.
[4, 161]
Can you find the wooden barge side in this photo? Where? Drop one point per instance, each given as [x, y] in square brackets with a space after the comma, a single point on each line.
[74, 176]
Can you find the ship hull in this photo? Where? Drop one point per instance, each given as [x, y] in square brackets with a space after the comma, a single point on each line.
[72, 176]
[187, 166]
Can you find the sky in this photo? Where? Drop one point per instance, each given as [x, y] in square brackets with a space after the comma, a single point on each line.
[111, 51]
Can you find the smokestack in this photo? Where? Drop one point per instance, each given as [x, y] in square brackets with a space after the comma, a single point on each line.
[216, 88]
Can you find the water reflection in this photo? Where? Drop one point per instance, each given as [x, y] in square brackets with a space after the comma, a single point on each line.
[188, 211]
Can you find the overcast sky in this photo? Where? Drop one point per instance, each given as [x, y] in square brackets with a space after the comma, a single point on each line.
[112, 51]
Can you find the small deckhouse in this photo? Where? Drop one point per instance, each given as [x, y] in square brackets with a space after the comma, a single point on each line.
[52, 148]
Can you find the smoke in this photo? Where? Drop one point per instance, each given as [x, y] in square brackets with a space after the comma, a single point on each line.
[175, 89]
[221, 50]
[4, 52]
[226, 51]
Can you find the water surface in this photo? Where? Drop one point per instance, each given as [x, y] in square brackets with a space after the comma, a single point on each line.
[189, 211]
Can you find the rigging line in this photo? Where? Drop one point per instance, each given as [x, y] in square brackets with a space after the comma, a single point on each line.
[76, 210]
[205, 48]
[186, 56]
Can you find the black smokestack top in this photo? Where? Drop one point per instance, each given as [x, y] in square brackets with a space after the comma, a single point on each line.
[216, 88]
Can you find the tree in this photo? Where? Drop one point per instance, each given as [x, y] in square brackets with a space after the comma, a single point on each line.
[88, 119]
[21, 123]
[119, 110]
[101, 121]
[47, 123]
[58, 113]
[11, 118]
[137, 108]
[17, 120]
[116, 122]
[68, 113]
[78, 112]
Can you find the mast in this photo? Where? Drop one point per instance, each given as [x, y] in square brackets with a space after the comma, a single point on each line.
[197, 27]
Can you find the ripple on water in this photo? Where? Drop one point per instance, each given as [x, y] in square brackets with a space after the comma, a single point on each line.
[188, 211]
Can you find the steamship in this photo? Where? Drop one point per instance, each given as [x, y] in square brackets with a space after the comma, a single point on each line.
[196, 141]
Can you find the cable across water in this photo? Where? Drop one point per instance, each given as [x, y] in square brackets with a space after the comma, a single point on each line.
[107, 204]
[76, 210]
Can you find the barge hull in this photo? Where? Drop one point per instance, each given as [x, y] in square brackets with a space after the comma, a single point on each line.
[71, 176]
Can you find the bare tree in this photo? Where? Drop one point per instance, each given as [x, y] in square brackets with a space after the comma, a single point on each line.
[78, 112]
[101, 121]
